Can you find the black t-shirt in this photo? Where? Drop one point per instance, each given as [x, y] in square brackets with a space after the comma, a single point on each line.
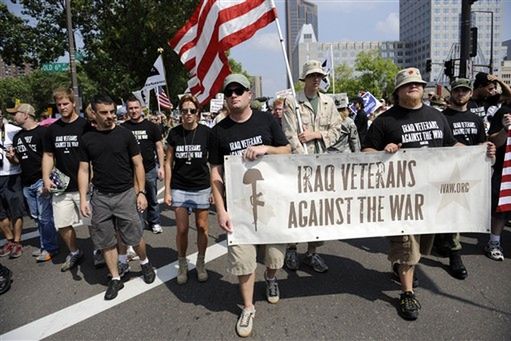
[28, 145]
[477, 108]
[413, 128]
[62, 139]
[147, 134]
[190, 170]
[495, 127]
[110, 153]
[361, 123]
[232, 138]
[466, 127]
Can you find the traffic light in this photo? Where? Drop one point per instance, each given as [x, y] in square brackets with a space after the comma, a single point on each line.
[428, 65]
[449, 68]
[473, 41]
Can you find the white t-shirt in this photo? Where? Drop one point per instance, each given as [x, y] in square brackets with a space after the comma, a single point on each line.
[7, 132]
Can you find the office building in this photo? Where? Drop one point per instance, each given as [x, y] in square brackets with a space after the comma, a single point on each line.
[298, 13]
[432, 30]
[7, 70]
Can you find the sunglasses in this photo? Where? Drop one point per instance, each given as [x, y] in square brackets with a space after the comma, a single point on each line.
[188, 111]
[237, 90]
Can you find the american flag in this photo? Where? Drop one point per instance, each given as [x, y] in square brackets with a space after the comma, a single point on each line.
[163, 100]
[215, 27]
[505, 182]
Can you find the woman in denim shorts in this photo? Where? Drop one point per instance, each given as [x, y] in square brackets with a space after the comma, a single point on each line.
[187, 183]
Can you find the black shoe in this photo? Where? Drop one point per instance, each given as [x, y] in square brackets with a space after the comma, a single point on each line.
[5, 279]
[113, 288]
[148, 273]
[456, 267]
[409, 306]
[395, 275]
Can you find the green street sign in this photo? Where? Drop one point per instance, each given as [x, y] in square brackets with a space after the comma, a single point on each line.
[55, 67]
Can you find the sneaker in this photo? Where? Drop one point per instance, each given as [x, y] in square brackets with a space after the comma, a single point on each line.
[71, 261]
[245, 322]
[316, 262]
[6, 249]
[123, 269]
[98, 259]
[5, 279]
[113, 288]
[395, 276]
[16, 251]
[44, 256]
[157, 229]
[456, 267]
[494, 251]
[409, 306]
[292, 262]
[148, 273]
[36, 252]
[272, 290]
[132, 255]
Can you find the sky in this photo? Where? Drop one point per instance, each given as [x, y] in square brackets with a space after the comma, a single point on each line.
[339, 20]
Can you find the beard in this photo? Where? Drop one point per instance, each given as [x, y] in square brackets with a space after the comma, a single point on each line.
[460, 102]
[410, 101]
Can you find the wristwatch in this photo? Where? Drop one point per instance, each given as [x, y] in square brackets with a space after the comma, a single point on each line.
[141, 192]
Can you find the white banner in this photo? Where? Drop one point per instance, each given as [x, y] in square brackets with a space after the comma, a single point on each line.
[299, 198]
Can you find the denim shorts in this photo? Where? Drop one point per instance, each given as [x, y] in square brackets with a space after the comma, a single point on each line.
[191, 200]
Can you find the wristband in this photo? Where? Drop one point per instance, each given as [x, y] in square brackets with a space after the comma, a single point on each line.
[140, 192]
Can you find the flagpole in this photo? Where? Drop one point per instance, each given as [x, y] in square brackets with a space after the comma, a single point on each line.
[160, 51]
[290, 77]
[333, 68]
[157, 93]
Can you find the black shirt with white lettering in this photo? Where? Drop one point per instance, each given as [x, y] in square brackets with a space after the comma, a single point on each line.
[110, 153]
[28, 145]
[467, 127]
[413, 128]
[190, 171]
[147, 134]
[62, 140]
[232, 138]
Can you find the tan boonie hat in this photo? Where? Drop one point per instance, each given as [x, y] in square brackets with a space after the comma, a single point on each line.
[237, 78]
[461, 83]
[408, 75]
[24, 108]
[312, 66]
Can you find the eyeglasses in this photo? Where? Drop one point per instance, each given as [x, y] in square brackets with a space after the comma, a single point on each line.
[237, 90]
[188, 111]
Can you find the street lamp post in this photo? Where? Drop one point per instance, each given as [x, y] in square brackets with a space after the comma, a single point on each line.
[491, 38]
[72, 58]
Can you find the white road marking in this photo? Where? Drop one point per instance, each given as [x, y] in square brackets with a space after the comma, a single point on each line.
[67, 317]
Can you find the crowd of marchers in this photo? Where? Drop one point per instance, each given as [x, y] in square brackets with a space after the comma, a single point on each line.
[101, 170]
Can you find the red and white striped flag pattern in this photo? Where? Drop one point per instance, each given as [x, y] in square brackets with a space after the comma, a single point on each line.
[163, 100]
[505, 181]
[215, 27]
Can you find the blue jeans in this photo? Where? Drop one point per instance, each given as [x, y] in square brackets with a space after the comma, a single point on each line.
[41, 211]
[151, 187]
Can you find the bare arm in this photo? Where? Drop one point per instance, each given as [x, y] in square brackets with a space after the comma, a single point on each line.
[47, 166]
[138, 167]
[169, 161]
[218, 188]
[161, 158]
[253, 152]
[83, 187]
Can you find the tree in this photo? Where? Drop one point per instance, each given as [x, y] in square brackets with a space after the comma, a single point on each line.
[377, 73]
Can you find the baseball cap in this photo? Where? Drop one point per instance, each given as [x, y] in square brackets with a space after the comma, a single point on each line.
[408, 75]
[237, 78]
[23, 107]
[312, 66]
[461, 83]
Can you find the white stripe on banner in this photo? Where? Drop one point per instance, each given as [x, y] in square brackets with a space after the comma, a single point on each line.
[506, 171]
[507, 156]
[67, 317]
[505, 185]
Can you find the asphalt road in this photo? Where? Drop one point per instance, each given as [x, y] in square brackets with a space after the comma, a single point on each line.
[355, 300]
